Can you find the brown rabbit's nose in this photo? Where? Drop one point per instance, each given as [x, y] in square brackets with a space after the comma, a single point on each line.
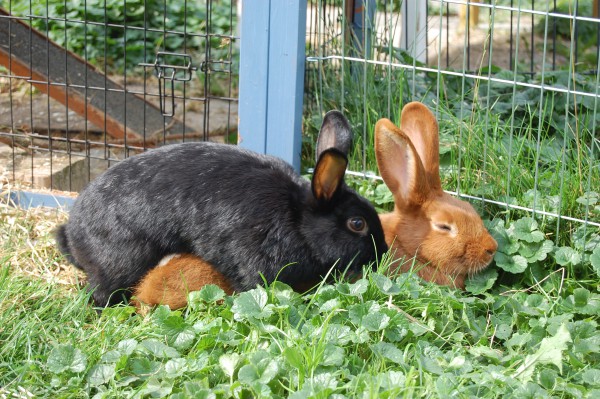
[490, 246]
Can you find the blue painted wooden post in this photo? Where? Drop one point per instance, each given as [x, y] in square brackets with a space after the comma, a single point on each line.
[363, 17]
[272, 55]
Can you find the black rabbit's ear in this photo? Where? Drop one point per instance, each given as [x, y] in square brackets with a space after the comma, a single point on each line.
[335, 133]
[329, 174]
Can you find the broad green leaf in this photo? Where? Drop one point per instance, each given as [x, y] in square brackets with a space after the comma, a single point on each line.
[590, 198]
[330, 305]
[332, 355]
[175, 367]
[375, 321]
[228, 337]
[481, 281]
[595, 260]
[318, 386]
[195, 390]
[511, 263]
[591, 377]
[269, 368]
[526, 229]
[587, 345]
[248, 374]
[456, 363]
[505, 243]
[356, 289]
[503, 331]
[535, 251]
[385, 284]
[583, 302]
[396, 332]
[518, 339]
[581, 296]
[179, 334]
[101, 374]
[383, 195]
[66, 358]
[285, 296]
[359, 311]
[486, 352]
[161, 312]
[127, 346]
[210, 293]
[338, 334]
[111, 357]
[212, 325]
[585, 238]
[324, 381]
[156, 388]
[549, 352]
[567, 256]
[361, 335]
[392, 379]
[293, 356]
[159, 349]
[143, 366]
[431, 365]
[388, 351]
[253, 304]
[547, 378]
[228, 363]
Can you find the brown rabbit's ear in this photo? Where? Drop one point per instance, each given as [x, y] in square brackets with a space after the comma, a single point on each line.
[399, 165]
[421, 127]
[335, 133]
[329, 174]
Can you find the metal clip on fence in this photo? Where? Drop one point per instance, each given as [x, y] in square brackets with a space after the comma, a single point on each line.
[169, 68]
[208, 66]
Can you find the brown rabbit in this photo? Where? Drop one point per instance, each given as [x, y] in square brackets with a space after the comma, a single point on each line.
[445, 234]
[176, 275]
[170, 282]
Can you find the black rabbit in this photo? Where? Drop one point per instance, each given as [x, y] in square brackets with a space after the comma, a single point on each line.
[246, 214]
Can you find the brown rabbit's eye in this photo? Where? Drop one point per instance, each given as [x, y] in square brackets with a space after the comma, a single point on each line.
[444, 227]
[357, 224]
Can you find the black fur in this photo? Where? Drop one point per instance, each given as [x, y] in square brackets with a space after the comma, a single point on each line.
[242, 212]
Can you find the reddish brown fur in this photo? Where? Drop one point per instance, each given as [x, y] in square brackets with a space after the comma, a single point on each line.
[170, 283]
[408, 160]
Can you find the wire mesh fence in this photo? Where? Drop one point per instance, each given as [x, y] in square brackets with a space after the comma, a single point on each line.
[514, 85]
[85, 84]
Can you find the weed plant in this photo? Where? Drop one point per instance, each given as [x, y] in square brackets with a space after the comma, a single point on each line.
[379, 336]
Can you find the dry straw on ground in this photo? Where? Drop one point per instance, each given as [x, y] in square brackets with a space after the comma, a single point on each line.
[27, 243]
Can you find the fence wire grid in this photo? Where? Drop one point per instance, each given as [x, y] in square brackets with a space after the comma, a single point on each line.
[514, 85]
[85, 84]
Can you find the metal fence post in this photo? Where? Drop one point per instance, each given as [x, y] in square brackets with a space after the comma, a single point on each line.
[272, 55]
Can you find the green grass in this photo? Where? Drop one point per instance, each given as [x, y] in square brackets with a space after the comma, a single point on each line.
[380, 336]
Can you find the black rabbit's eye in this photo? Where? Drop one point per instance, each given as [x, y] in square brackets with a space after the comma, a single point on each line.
[357, 224]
